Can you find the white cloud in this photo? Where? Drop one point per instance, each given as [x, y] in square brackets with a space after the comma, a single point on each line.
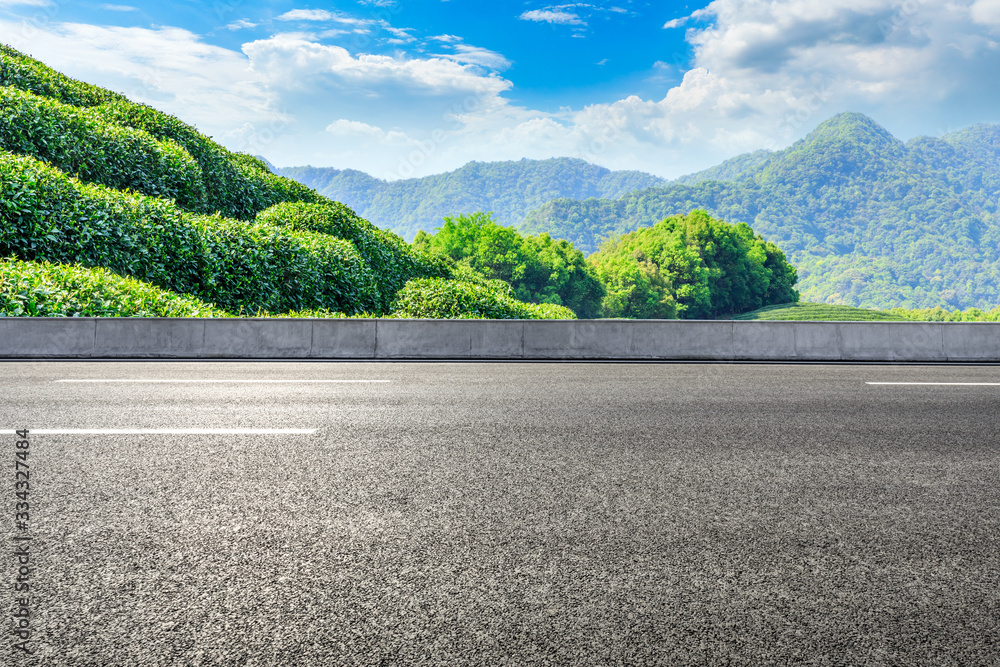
[357, 129]
[760, 74]
[323, 15]
[307, 15]
[119, 8]
[675, 23]
[986, 12]
[475, 55]
[169, 68]
[290, 60]
[242, 24]
[553, 15]
[26, 3]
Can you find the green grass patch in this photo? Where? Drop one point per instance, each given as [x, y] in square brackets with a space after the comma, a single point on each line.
[828, 312]
[820, 312]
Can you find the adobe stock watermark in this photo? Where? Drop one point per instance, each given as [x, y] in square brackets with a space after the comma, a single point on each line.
[425, 149]
[801, 113]
[903, 17]
[255, 139]
[46, 13]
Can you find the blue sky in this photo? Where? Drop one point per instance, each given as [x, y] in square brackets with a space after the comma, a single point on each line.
[413, 87]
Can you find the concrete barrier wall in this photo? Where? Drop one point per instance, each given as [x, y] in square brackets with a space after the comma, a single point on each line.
[141, 338]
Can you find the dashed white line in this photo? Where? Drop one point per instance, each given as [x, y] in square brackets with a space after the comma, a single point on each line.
[167, 431]
[943, 384]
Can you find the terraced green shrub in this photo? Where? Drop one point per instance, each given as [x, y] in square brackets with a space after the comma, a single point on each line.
[26, 73]
[238, 186]
[388, 255]
[235, 265]
[80, 143]
[32, 289]
[437, 298]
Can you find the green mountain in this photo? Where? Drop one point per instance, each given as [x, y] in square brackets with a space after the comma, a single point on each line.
[108, 207]
[507, 189]
[868, 220]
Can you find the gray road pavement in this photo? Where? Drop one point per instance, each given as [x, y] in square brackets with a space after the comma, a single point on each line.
[508, 514]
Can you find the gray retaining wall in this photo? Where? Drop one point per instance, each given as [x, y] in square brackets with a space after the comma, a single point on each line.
[141, 338]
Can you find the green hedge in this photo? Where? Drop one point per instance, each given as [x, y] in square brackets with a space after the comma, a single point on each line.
[436, 298]
[32, 289]
[77, 142]
[392, 260]
[25, 73]
[236, 185]
[237, 266]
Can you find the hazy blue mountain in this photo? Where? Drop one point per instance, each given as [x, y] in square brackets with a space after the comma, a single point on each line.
[508, 189]
[868, 220]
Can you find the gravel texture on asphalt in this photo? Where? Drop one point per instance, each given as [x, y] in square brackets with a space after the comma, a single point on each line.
[511, 514]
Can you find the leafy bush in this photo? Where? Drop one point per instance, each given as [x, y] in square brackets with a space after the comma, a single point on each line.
[635, 290]
[539, 269]
[235, 265]
[80, 143]
[20, 71]
[457, 299]
[31, 289]
[387, 255]
[238, 186]
[707, 266]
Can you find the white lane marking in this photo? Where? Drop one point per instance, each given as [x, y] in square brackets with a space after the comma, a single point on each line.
[166, 431]
[944, 384]
[237, 381]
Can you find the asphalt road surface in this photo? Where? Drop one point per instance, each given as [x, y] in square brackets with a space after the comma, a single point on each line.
[504, 514]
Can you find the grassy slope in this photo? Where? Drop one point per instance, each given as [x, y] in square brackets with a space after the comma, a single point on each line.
[818, 311]
[826, 312]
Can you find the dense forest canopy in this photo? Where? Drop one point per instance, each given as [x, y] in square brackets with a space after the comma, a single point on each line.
[508, 189]
[867, 220]
[689, 266]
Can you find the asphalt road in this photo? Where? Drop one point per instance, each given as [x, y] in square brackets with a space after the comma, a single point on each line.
[507, 513]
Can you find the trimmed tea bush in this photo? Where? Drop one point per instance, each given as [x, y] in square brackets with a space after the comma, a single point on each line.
[79, 143]
[26, 73]
[32, 289]
[388, 255]
[456, 299]
[237, 186]
[235, 265]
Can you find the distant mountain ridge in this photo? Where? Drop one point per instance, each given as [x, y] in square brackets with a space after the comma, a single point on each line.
[868, 220]
[508, 189]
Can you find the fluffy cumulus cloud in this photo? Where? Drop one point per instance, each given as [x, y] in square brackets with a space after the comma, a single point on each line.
[553, 15]
[294, 60]
[169, 68]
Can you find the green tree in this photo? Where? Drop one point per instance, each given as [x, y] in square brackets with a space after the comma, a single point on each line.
[700, 266]
[538, 268]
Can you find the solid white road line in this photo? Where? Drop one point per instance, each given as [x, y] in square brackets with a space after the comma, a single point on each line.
[166, 431]
[237, 381]
[944, 384]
